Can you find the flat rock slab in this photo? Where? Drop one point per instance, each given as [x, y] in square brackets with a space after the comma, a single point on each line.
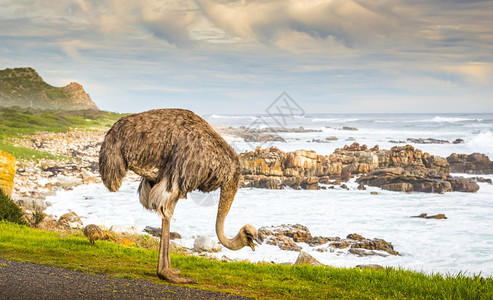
[20, 280]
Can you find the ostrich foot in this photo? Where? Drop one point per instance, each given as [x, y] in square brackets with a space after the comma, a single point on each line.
[175, 272]
[169, 275]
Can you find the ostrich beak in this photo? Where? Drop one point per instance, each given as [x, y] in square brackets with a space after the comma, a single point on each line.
[259, 239]
[252, 245]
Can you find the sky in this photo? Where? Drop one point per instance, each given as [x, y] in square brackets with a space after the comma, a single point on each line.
[237, 57]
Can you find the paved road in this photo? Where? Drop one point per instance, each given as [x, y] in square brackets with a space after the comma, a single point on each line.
[20, 280]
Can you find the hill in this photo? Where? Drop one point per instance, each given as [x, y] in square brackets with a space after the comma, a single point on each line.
[25, 88]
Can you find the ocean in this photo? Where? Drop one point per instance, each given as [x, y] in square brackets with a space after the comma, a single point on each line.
[461, 243]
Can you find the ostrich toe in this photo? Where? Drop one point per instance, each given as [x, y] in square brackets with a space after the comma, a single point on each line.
[167, 274]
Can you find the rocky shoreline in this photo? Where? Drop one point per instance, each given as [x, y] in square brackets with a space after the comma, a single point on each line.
[401, 168]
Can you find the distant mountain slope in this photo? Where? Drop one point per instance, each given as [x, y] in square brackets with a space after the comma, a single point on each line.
[25, 88]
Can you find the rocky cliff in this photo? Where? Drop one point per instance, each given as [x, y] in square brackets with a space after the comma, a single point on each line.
[399, 169]
[25, 88]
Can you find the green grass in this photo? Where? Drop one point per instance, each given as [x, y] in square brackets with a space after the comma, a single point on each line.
[16, 121]
[28, 154]
[74, 252]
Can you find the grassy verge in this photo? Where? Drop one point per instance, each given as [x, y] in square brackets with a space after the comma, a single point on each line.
[28, 154]
[22, 243]
[15, 121]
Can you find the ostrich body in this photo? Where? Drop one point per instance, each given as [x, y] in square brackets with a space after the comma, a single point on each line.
[175, 151]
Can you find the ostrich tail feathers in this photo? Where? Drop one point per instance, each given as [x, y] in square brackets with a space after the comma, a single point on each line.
[112, 165]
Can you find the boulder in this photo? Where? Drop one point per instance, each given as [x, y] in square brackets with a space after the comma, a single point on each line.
[438, 216]
[461, 184]
[306, 159]
[306, 259]
[369, 266]
[154, 231]
[476, 163]
[410, 178]
[425, 216]
[286, 237]
[398, 187]
[206, 244]
[482, 179]
[124, 229]
[7, 172]
[426, 141]
[70, 220]
[363, 252]
[174, 236]
[32, 204]
[437, 166]
[310, 183]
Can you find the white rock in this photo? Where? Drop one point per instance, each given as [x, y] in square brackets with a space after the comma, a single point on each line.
[74, 225]
[206, 244]
[66, 181]
[124, 229]
[306, 259]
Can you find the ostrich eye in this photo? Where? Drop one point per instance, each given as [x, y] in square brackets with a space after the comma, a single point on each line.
[248, 235]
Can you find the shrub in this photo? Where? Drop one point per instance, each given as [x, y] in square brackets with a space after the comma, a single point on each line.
[9, 211]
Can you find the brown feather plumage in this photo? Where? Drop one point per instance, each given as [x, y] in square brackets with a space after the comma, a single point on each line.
[174, 145]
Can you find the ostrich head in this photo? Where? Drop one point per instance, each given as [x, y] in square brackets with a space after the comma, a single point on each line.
[249, 235]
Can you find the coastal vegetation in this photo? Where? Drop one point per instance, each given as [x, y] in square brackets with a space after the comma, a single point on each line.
[16, 122]
[9, 211]
[73, 251]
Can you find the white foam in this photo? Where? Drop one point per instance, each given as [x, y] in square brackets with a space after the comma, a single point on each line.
[334, 120]
[463, 242]
[482, 143]
[439, 119]
[232, 117]
[452, 119]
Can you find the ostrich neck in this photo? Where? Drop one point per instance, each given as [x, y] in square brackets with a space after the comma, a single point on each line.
[227, 196]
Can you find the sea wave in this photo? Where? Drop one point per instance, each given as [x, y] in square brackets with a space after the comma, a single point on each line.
[482, 142]
[438, 119]
[333, 120]
[232, 117]
[453, 120]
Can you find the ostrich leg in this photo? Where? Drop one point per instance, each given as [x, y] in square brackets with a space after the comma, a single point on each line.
[164, 270]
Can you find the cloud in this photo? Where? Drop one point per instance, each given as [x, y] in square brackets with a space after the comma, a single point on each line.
[349, 21]
[473, 72]
[169, 20]
[322, 51]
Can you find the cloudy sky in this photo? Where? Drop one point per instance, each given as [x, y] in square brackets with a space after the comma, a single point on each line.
[219, 56]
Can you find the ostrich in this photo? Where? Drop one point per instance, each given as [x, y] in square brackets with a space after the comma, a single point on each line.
[175, 152]
[93, 233]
